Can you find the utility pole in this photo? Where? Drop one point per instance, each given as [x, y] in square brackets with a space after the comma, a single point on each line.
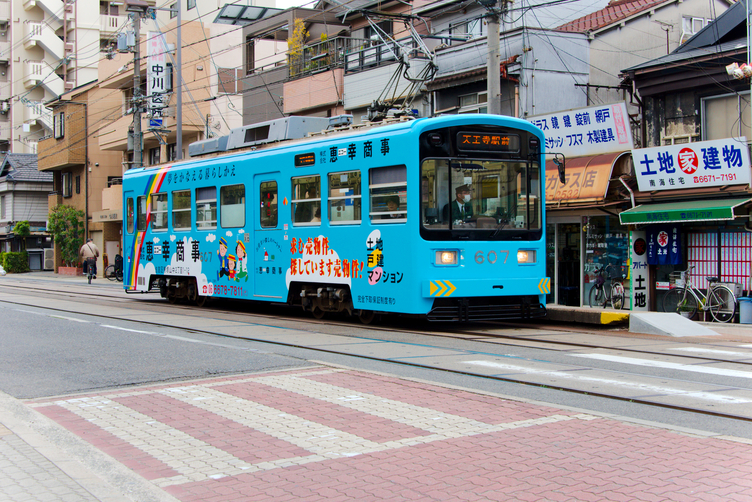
[179, 91]
[138, 137]
[493, 62]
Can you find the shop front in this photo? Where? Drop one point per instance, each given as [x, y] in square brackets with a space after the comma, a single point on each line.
[694, 212]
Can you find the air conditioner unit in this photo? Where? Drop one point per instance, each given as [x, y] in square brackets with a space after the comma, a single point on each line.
[49, 259]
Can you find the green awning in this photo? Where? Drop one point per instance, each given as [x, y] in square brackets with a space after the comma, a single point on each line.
[685, 211]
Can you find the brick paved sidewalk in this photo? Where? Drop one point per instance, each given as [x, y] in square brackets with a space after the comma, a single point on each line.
[333, 434]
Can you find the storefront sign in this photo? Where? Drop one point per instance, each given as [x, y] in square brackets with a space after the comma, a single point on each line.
[664, 245]
[587, 131]
[693, 165]
[156, 76]
[639, 270]
[107, 215]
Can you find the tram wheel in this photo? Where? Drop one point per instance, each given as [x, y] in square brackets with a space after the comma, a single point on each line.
[200, 301]
[366, 316]
[172, 297]
[318, 313]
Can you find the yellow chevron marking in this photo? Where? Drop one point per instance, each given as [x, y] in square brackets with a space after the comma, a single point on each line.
[452, 288]
[434, 287]
[442, 286]
[544, 286]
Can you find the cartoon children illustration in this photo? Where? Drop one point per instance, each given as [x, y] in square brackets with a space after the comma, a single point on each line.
[242, 264]
[224, 266]
[231, 271]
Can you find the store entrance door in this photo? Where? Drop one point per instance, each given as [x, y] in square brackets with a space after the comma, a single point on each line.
[568, 240]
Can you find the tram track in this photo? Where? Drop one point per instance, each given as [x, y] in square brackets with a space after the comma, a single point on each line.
[105, 299]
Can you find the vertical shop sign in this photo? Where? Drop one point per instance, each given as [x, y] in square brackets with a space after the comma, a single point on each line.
[664, 245]
[156, 76]
[639, 273]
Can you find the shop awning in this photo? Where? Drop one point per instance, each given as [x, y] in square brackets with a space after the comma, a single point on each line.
[684, 211]
[587, 178]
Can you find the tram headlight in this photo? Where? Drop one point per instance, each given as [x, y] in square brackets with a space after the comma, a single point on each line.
[445, 257]
[526, 256]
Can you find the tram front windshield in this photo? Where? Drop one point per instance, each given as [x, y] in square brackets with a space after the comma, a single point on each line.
[484, 197]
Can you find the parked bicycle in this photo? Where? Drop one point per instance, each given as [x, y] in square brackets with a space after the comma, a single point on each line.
[606, 292]
[115, 271]
[683, 299]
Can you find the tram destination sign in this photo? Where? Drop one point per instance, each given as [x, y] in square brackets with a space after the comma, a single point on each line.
[468, 141]
[693, 165]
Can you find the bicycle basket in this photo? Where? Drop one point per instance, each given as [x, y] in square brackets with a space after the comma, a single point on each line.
[676, 279]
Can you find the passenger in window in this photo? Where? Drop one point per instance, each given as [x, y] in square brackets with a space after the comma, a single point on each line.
[393, 204]
[460, 209]
[317, 215]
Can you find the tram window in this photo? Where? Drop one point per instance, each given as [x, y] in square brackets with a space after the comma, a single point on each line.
[181, 209]
[306, 200]
[130, 215]
[206, 208]
[388, 192]
[232, 206]
[159, 212]
[344, 197]
[141, 217]
[268, 197]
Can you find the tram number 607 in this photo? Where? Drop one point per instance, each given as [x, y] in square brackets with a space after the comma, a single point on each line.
[491, 257]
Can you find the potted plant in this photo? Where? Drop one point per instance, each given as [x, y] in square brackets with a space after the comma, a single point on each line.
[67, 229]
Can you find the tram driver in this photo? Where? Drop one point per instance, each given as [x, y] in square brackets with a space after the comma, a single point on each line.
[460, 210]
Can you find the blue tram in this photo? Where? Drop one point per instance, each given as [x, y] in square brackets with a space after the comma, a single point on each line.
[437, 217]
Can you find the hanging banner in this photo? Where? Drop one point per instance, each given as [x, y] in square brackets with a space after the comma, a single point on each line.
[587, 131]
[639, 270]
[156, 76]
[664, 245]
[693, 165]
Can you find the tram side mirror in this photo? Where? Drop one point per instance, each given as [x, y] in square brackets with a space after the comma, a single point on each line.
[560, 162]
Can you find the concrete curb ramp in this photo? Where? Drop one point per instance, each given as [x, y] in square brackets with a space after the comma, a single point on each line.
[666, 324]
[586, 315]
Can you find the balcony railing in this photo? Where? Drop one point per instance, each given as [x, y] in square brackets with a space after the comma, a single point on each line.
[321, 56]
[111, 24]
[374, 53]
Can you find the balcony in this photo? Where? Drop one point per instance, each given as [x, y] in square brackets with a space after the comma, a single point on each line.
[109, 25]
[41, 35]
[320, 56]
[40, 73]
[36, 113]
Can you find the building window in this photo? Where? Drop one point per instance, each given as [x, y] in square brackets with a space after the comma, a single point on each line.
[191, 4]
[344, 197]
[129, 216]
[473, 103]
[153, 156]
[232, 209]
[172, 152]
[67, 184]
[268, 198]
[58, 125]
[181, 209]
[2, 207]
[158, 211]
[250, 48]
[468, 29]
[388, 191]
[372, 33]
[726, 116]
[78, 184]
[173, 11]
[206, 208]
[691, 25]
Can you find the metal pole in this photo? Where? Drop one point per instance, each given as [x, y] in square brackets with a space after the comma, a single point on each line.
[493, 72]
[138, 155]
[179, 90]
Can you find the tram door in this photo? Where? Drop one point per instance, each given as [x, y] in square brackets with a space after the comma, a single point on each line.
[267, 246]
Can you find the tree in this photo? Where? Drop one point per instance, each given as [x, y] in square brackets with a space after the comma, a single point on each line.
[67, 228]
[295, 46]
[22, 230]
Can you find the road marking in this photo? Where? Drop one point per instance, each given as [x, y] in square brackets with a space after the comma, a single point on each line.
[130, 330]
[648, 388]
[716, 351]
[69, 318]
[667, 365]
